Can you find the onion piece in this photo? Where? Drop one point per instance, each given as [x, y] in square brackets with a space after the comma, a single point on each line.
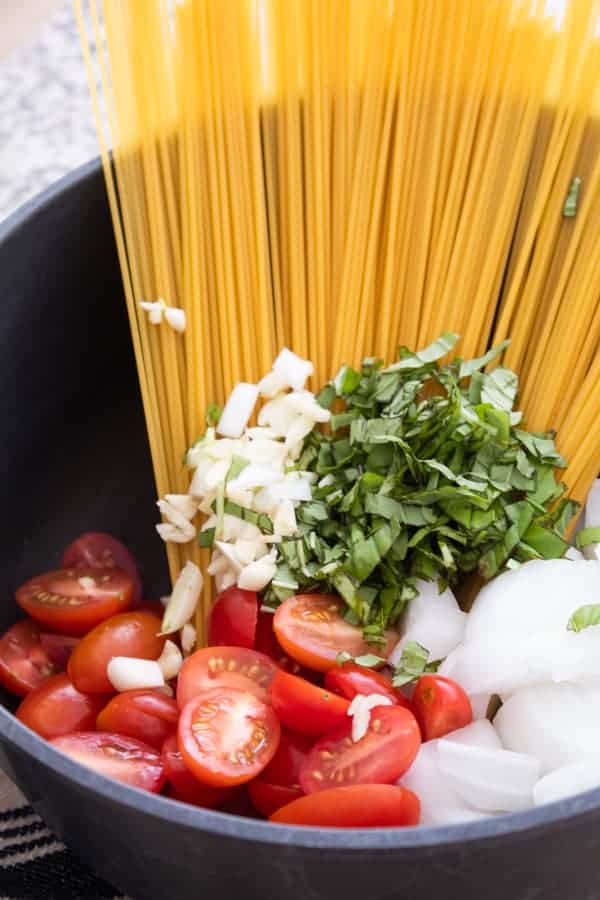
[258, 574]
[256, 475]
[184, 599]
[176, 318]
[183, 503]
[170, 660]
[127, 673]
[478, 734]
[293, 369]
[187, 636]
[272, 383]
[567, 781]
[305, 404]
[238, 409]
[433, 620]
[490, 780]
[170, 532]
[479, 705]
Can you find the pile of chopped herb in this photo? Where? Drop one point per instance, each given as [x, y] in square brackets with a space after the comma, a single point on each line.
[425, 473]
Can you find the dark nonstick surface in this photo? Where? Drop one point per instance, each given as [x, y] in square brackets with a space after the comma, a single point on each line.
[74, 456]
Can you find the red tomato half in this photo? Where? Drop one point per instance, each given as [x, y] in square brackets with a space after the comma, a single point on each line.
[232, 620]
[55, 707]
[358, 806]
[304, 707]
[130, 634]
[98, 550]
[440, 706]
[380, 757]
[59, 648]
[24, 663]
[115, 756]
[235, 667]
[227, 737]
[311, 628]
[267, 643]
[186, 787]
[349, 680]
[74, 600]
[267, 798]
[146, 715]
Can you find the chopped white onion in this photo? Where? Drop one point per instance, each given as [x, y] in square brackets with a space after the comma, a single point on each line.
[258, 574]
[272, 383]
[567, 781]
[170, 532]
[176, 318]
[155, 310]
[479, 705]
[237, 410]
[284, 519]
[256, 475]
[491, 780]
[292, 487]
[360, 710]
[126, 673]
[433, 620]
[293, 369]
[188, 638]
[184, 599]
[278, 415]
[170, 660]
[299, 428]
[478, 734]
[248, 551]
[228, 551]
[573, 554]
[183, 503]
[304, 403]
[175, 517]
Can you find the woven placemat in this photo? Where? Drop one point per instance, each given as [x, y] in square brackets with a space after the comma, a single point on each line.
[34, 865]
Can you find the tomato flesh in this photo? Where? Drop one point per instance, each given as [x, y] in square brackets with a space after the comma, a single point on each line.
[186, 787]
[349, 679]
[59, 648]
[227, 737]
[24, 663]
[279, 782]
[235, 667]
[55, 708]
[266, 642]
[118, 757]
[146, 715]
[311, 628]
[74, 600]
[98, 550]
[267, 798]
[357, 806]
[232, 620]
[129, 634]
[380, 757]
[440, 706]
[306, 708]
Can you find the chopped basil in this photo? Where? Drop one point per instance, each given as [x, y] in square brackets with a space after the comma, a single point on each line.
[587, 536]
[584, 617]
[213, 414]
[413, 664]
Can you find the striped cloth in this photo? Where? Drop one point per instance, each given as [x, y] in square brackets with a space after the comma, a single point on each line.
[34, 865]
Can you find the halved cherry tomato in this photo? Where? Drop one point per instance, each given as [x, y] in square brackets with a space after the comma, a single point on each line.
[279, 782]
[227, 737]
[24, 663]
[311, 628]
[59, 648]
[74, 600]
[304, 707]
[155, 607]
[55, 707]
[186, 787]
[348, 680]
[236, 667]
[115, 756]
[98, 550]
[266, 642]
[267, 798]
[239, 804]
[146, 715]
[130, 634]
[380, 757]
[440, 706]
[357, 806]
[232, 620]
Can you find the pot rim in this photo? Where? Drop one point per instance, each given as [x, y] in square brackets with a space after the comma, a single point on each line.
[424, 838]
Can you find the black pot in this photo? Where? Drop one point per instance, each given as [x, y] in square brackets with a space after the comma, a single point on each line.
[74, 456]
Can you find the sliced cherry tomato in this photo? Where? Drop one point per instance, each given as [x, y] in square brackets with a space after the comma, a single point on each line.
[440, 706]
[59, 648]
[186, 787]
[115, 756]
[380, 757]
[357, 806]
[155, 607]
[74, 600]
[304, 707]
[55, 707]
[24, 663]
[236, 667]
[227, 737]
[98, 550]
[348, 680]
[311, 628]
[232, 620]
[267, 643]
[130, 634]
[267, 798]
[146, 715]
[239, 803]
